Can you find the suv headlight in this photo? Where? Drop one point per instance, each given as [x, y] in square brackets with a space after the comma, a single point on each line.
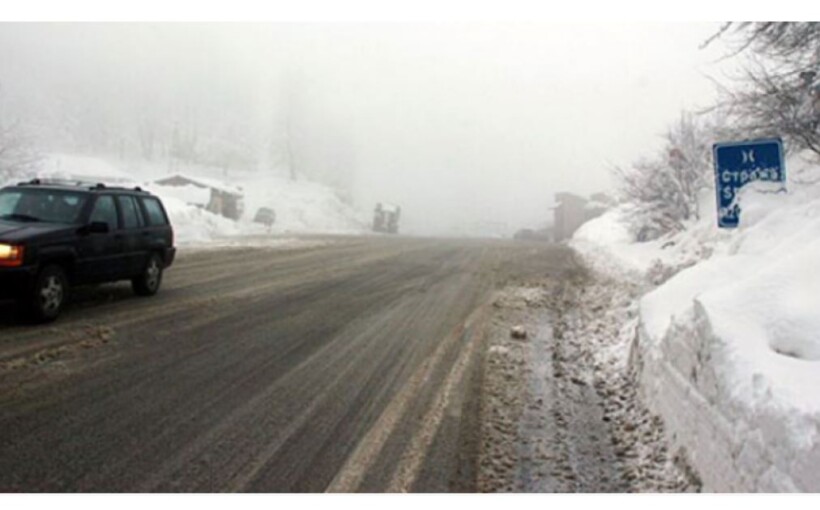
[11, 255]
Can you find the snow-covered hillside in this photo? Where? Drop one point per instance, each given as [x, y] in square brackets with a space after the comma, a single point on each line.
[300, 206]
[730, 345]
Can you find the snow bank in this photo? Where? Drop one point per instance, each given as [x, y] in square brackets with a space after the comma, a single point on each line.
[196, 226]
[732, 350]
[609, 246]
[300, 206]
[729, 348]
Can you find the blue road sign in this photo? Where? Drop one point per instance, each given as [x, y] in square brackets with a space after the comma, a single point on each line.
[739, 163]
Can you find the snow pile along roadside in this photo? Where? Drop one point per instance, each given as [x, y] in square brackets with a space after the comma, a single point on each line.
[300, 207]
[196, 226]
[729, 348]
[609, 246]
[732, 351]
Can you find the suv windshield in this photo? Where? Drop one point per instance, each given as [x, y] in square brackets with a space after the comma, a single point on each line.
[50, 206]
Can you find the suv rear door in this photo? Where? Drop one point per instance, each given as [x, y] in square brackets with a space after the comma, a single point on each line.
[160, 235]
[134, 234]
[100, 255]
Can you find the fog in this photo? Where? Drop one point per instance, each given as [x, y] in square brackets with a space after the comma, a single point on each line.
[471, 128]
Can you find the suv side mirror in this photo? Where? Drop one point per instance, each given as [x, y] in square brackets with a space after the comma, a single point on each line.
[96, 227]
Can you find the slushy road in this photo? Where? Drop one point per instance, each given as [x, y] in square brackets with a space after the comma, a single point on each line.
[347, 366]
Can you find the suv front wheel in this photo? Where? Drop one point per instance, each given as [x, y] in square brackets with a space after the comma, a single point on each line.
[49, 294]
[147, 283]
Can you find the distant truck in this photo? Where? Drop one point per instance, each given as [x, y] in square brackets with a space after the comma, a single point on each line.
[386, 218]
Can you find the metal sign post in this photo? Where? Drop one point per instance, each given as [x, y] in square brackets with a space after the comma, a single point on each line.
[739, 163]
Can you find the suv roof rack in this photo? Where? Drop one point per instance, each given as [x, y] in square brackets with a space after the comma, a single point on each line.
[101, 186]
[38, 181]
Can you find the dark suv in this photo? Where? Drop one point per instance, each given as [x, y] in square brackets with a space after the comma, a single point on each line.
[54, 235]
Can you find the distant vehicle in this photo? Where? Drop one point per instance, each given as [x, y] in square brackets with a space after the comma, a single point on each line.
[386, 218]
[265, 216]
[54, 236]
[524, 234]
[528, 234]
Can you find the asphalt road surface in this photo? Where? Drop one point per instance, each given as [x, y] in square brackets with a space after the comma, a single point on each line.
[350, 366]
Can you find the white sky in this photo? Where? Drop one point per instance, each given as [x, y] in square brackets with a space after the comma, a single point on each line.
[464, 125]
[469, 124]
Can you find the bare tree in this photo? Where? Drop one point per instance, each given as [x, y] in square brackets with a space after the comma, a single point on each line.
[290, 136]
[663, 191]
[147, 137]
[784, 42]
[184, 139]
[18, 157]
[293, 120]
[17, 154]
[308, 141]
[778, 92]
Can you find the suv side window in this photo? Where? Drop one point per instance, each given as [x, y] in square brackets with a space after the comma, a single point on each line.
[105, 212]
[156, 216]
[131, 217]
[8, 202]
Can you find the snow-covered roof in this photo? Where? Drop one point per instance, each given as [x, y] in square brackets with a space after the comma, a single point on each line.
[204, 182]
[189, 193]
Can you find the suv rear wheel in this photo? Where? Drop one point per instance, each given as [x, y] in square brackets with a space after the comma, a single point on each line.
[147, 284]
[49, 294]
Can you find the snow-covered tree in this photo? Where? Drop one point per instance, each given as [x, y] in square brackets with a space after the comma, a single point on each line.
[663, 191]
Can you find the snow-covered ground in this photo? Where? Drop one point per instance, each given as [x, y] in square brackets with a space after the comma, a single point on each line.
[729, 345]
[300, 206]
[609, 247]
